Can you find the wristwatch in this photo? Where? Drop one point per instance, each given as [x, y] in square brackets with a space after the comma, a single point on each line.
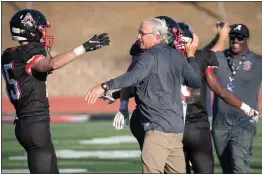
[105, 86]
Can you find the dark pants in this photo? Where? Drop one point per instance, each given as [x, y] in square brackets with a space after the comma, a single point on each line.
[34, 135]
[136, 128]
[198, 147]
[234, 148]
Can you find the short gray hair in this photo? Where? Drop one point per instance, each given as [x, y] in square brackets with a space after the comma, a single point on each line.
[159, 27]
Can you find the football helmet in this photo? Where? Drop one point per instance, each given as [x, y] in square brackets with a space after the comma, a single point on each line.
[171, 24]
[178, 37]
[30, 25]
[187, 34]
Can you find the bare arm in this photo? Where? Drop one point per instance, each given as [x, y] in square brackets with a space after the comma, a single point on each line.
[46, 65]
[219, 90]
[220, 39]
[218, 42]
[228, 96]
[212, 44]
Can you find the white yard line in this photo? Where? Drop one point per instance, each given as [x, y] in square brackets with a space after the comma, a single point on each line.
[110, 140]
[60, 170]
[101, 154]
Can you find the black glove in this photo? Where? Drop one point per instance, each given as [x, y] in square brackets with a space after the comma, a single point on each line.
[96, 42]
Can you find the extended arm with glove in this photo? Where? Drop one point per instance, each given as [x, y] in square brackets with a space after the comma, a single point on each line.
[60, 60]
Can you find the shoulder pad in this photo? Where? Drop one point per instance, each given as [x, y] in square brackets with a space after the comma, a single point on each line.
[36, 48]
[7, 55]
[30, 50]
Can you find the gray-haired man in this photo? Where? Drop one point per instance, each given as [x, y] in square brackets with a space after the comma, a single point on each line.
[157, 76]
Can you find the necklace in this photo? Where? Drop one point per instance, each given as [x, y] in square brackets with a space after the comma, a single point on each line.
[234, 70]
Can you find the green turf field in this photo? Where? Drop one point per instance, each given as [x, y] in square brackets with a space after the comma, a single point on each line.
[97, 156]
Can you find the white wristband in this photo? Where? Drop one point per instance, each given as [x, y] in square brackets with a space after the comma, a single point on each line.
[244, 107]
[123, 105]
[79, 50]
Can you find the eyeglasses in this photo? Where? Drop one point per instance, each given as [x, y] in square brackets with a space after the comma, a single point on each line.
[238, 36]
[144, 34]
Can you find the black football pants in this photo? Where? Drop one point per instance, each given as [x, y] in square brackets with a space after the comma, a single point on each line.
[198, 147]
[33, 133]
[136, 128]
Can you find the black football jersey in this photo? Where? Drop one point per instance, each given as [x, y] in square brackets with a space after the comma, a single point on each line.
[196, 98]
[26, 89]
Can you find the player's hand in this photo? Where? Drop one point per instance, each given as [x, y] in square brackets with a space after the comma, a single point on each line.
[108, 96]
[96, 42]
[93, 94]
[192, 46]
[121, 117]
[250, 111]
[255, 115]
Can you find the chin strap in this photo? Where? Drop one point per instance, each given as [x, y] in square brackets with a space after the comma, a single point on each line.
[49, 53]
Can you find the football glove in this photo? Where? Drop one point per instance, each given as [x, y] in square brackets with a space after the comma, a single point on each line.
[255, 116]
[96, 42]
[108, 96]
[121, 117]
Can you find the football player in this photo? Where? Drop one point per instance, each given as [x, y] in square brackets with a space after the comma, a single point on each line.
[25, 69]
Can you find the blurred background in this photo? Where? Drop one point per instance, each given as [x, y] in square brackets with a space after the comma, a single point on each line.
[83, 135]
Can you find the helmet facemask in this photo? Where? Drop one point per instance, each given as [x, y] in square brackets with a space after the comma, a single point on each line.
[46, 40]
[180, 45]
[180, 41]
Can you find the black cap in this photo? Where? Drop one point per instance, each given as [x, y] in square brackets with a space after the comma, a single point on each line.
[239, 29]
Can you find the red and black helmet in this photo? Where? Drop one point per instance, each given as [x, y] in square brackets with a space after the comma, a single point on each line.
[30, 25]
[187, 34]
[178, 33]
[172, 25]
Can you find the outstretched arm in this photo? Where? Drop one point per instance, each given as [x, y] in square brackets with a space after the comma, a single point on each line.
[218, 43]
[141, 69]
[41, 64]
[224, 93]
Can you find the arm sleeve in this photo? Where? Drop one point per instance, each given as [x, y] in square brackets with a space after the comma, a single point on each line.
[191, 73]
[141, 69]
[209, 61]
[126, 93]
[116, 94]
[210, 58]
